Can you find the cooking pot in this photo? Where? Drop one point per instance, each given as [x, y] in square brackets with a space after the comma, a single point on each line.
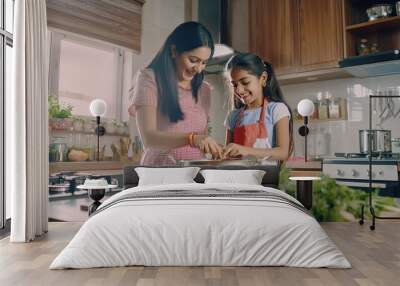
[380, 140]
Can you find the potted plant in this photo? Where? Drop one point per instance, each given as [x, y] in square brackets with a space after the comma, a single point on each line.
[333, 202]
[59, 114]
[78, 123]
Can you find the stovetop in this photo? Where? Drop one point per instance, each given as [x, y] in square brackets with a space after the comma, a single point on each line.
[363, 159]
[354, 167]
[375, 156]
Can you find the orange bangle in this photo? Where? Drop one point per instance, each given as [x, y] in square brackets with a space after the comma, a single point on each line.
[191, 139]
[193, 143]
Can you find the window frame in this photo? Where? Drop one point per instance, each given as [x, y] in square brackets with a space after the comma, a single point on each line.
[54, 66]
[6, 39]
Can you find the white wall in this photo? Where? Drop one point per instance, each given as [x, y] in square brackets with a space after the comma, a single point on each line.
[219, 107]
[159, 19]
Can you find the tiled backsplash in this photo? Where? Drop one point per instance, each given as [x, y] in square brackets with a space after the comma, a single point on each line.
[329, 137]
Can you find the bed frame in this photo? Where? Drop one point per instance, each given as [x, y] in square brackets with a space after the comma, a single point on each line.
[270, 179]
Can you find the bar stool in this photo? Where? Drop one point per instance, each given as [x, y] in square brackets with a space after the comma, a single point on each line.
[304, 190]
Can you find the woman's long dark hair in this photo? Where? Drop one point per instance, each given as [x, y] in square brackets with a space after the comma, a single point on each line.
[186, 37]
[272, 92]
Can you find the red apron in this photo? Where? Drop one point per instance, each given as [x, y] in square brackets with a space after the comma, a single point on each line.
[247, 135]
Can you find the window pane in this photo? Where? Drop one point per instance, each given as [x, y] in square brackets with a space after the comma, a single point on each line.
[86, 73]
[8, 93]
[9, 15]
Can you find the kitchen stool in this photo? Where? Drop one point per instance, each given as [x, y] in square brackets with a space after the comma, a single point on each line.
[304, 190]
[96, 194]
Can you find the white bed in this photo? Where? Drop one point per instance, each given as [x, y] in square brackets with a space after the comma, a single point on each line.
[250, 225]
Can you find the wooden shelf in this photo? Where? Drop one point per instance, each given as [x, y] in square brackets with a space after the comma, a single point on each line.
[55, 132]
[320, 120]
[55, 167]
[77, 194]
[375, 25]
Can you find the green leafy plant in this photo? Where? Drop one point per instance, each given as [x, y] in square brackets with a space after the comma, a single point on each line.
[332, 201]
[57, 110]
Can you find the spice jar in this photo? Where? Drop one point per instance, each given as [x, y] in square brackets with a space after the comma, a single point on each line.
[315, 113]
[334, 110]
[323, 109]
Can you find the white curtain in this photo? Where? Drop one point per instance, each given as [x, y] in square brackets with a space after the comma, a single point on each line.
[27, 123]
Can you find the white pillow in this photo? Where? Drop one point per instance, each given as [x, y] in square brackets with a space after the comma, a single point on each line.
[249, 177]
[163, 176]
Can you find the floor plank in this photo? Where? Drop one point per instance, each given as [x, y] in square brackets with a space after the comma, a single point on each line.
[375, 257]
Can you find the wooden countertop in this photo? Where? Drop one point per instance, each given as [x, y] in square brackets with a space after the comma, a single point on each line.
[304, 169]
[301, 165]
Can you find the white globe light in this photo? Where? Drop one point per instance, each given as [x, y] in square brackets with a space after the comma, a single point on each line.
[305, 107]
[98, 107]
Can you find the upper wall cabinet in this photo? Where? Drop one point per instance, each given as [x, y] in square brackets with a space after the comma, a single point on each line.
[297, 36]
[273, 32]
[321, 33]
[117, 22]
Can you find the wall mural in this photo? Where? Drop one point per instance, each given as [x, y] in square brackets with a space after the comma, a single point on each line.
[170, 102]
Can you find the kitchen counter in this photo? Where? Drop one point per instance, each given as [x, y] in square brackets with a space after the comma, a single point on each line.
[297, 168]
[301, 165]
[304, 169]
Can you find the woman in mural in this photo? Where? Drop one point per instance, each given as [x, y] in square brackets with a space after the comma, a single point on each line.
[171, 101]
[261, 124]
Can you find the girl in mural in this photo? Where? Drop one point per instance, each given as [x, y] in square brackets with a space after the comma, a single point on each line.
[261, 124]
[171, 101]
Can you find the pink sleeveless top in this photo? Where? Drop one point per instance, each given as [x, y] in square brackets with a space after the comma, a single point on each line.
[144, 93]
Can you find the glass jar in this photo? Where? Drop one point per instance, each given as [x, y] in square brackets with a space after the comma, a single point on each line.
[396, 145]
[84, 143]
[58, 149]
[334, 110]
[89, 145]
[316, 108]
[323, 109]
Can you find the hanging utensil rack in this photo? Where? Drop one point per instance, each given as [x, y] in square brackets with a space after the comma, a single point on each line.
[370, 189]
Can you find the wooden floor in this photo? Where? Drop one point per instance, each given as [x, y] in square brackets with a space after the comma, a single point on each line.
[374, 255]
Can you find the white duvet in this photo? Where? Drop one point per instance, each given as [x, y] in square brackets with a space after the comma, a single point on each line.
[200, 231]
